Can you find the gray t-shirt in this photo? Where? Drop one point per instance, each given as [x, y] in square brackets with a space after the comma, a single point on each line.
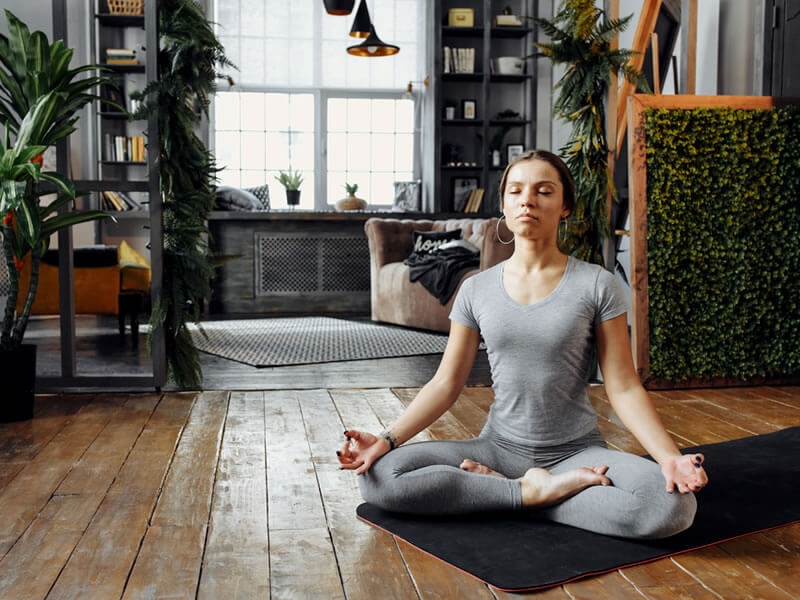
[540, 354]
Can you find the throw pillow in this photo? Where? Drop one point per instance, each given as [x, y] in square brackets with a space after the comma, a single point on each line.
[262, 193]
[426, 242]
[231, 198]
[129, 257]
[463, 245]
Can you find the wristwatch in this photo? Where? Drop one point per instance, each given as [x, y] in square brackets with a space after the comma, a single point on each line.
[387, 435]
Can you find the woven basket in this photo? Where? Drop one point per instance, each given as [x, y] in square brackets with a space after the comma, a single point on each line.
[126, 7]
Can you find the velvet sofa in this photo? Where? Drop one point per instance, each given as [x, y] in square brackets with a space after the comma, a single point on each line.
[394, 298]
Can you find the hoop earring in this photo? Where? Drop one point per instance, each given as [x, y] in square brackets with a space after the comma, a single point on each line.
[562, 234]
[497, 227]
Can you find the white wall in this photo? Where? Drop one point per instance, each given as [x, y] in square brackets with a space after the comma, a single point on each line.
[37, 15]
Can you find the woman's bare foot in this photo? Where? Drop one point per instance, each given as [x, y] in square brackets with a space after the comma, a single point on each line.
[476, 467]
[542, 488]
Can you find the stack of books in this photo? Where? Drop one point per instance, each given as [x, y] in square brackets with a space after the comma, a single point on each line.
[121, 56]
[458, 60]
[474, 201]
[125, 148]
[119, 201]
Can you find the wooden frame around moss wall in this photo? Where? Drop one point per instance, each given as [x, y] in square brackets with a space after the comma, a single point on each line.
[637, 181]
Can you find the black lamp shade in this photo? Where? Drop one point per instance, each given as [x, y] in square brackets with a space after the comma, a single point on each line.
[339, 7]
[373, 46]
[361, 23]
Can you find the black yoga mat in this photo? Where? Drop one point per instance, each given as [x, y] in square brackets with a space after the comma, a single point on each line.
[753, 486]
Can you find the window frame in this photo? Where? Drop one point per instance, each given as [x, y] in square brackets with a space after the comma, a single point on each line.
[321, 96]
[322, 156]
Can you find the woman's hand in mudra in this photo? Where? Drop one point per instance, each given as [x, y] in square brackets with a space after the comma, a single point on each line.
[360, 450]
[685, 473]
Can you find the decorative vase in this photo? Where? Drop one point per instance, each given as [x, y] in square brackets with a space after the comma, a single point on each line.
[18, 374]
[292, 197]
[351, 203]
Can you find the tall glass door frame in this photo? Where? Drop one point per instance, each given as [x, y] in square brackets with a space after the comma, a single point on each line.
[70, 378]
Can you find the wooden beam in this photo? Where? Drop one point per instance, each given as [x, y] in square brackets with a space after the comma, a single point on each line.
[645, 27]
[690, 47]
[654, 55]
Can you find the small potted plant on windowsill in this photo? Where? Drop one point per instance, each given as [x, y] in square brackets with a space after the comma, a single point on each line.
[351, 202]
[291, 181]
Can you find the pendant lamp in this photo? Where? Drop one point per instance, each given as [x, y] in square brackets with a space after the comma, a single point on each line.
[361, 23]
[373, 46]
[339, 7]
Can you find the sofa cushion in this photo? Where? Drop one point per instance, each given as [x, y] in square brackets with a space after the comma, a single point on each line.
[262, 193]
[85, 257]
[231, 198]
[426, 242]
[134, 269]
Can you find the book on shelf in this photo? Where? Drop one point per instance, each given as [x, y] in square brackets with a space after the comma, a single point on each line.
[121, 56]
[122, 148]
[474, 201]
[119, 201]
[122, 61]
[458, 60]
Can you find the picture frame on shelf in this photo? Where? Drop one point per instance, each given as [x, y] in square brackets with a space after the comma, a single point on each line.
[513, 151]
[469, 109]
[111, 93]
[406, 196]
[462, 188]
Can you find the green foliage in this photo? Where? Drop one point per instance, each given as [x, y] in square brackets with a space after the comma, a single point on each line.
[188, 58]
[291, 180]
[351, 188]
[723, 253]
[39, 98]
[581, 37]
[30, 67]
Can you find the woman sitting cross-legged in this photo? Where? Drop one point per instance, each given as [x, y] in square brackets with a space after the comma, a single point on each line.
[540, 314]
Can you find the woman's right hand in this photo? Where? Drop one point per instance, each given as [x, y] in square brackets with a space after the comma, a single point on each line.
[360, 450]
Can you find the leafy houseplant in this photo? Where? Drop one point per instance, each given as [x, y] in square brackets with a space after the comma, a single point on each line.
[351, 202]
[39, 96]
[188, 56]
[581, 40]
[291, 181]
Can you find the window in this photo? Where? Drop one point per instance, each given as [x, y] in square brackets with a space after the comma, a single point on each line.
[302, 102]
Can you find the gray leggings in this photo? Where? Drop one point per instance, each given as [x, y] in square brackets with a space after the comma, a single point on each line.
[424, 478]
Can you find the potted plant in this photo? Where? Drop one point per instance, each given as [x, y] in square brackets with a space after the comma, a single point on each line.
[351, 202]
[291, 181]
[581, 36]
[39, 96]
[189, 56]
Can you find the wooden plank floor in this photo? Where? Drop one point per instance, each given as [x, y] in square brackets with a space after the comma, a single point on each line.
[238, 495]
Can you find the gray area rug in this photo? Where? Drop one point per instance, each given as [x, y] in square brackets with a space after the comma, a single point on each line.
[305, 340]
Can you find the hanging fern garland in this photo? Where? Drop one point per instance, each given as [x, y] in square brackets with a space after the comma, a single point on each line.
[581, 39]
[188, 58]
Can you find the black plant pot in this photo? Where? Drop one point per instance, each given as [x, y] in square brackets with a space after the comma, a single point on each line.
[292, 197]
[339, 7]
[18, 377]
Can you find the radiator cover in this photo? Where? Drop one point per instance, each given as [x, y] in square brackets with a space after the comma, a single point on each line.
[297, 263]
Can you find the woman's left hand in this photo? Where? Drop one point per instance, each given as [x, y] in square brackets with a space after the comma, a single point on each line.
[685, 473]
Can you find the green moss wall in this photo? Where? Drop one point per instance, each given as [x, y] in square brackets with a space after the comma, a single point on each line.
[723, 214]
